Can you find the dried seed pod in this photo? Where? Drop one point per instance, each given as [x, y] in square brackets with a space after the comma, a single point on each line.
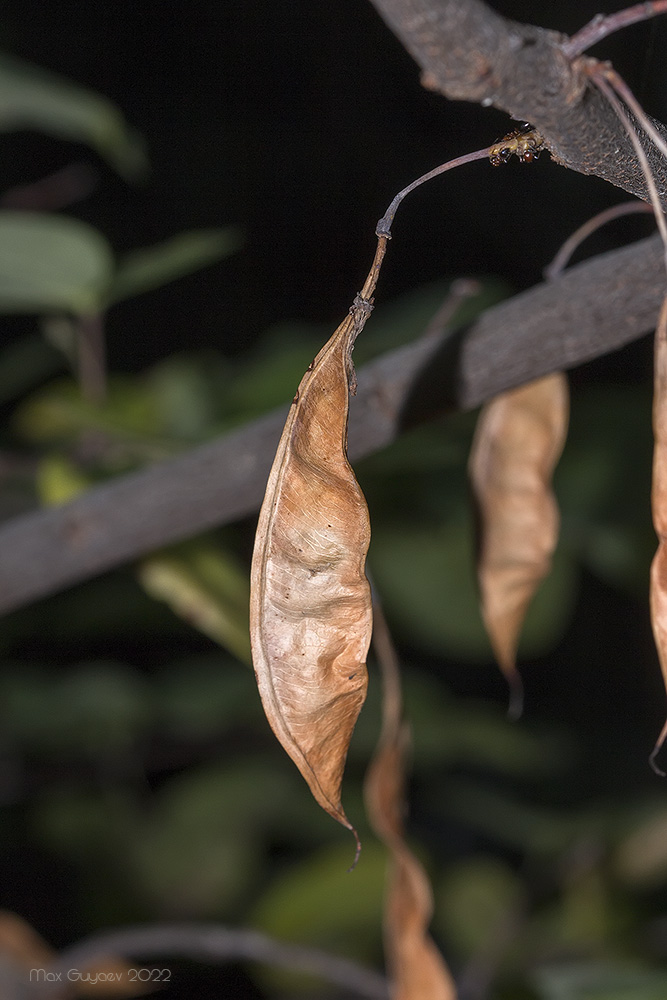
[310, 605]
[518, 441]
[416, 967]
[658, 587]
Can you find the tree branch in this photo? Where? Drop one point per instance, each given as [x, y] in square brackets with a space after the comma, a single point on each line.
[210, 943]
[590, 310]
[470, 53]
[214, 943]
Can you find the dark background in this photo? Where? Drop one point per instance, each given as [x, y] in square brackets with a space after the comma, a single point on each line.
[299, 122]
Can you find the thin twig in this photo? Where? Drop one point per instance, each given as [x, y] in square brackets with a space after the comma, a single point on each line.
[383, 227]
[460, 290]
[91, 343]
[624, 92]
[469, 52]
[606, 86]
[605, 24]
[214, 943]
[387, 657]
[573, 242]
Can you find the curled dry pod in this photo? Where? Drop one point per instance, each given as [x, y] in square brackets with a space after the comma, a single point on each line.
[416, 967]
[658, 588]
[518, 441]
[310, 604]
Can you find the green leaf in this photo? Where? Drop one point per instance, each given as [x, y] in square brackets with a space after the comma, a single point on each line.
[318, 902]
[205, 586]
[58, 412]
[59, 480]
[408, 317]
[98, 709]
[600, 981]
[199, 849]
[152, 267]
[24, 364]
[269, 376]
[203, 697]
[522, 826]
[51, 263]
[474, 902]
[425, 573]
[37, 99]
[603, 481]
[190, 390]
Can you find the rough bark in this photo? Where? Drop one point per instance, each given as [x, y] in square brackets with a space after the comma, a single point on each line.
[468, 52]
[592, 309]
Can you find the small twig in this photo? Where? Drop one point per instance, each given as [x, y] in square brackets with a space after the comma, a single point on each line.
[383, 227]
[459, 292]
[605, 24]
[606, 86]
[92, 358]
[571, 244]
[387, 657]
[214, 943]
[624, 92]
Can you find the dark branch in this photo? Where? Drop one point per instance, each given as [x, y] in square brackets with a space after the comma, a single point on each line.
[592, 309]
[468, 52]
[214, 943]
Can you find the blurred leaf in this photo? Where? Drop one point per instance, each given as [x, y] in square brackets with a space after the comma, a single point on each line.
[641, 857]
[198, 851]
[59, 480]
[100, 707]
[425, 573]
[75, 823]
[182, 868]
[207, 587]
[319, 902]
[204, 696]
[407, 317]
[476, 734]
[475, 902]
[35, 98]
[152, 267]
[603, 481]
[271, 373]
[190, 392]
[528, 828]
[438, 447]
[194, 847]
[24, 363]
[451, 731]
[58, 412]
[600, 981]
[97, 708]
[51, 263]
[586, 918]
